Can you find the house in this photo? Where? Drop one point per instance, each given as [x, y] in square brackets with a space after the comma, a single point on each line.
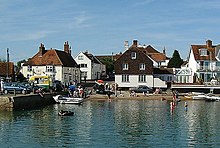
[57, 64]
[203, 64]
[159, 59]
[7, 71]
[135, 67]
[91, 67]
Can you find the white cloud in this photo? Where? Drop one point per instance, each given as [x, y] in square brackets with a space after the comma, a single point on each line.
[22, 36]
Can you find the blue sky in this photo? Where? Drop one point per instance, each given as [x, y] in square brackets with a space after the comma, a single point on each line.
[101, 26]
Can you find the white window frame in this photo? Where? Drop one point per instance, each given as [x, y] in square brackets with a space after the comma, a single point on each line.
[141, 78]
[125, 66]
[49, 68]
[80, 57]
[141, 66]
[133, 55]
[125, 78]
[203, 52]
[29, 68]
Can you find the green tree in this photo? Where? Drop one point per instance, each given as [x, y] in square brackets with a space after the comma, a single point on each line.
[175, 61]
[109, 64]
[19, 63]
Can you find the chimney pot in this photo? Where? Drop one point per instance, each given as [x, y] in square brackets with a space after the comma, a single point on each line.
[135, 43]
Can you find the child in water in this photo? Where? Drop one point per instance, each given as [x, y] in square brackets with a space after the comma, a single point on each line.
[186, 106]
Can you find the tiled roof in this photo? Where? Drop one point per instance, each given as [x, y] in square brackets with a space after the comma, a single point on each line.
[210, 55]
[92, 58]
[153, 53]
[3, 69]
[52, 57]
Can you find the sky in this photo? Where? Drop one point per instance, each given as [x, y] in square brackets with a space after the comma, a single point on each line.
[101, 27]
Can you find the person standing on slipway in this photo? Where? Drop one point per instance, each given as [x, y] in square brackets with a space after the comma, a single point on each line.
[2, 86]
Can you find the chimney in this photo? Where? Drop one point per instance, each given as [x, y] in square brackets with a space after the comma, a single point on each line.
[135, 43]
[67, 48]
[164, 51]
[126, 45]
[209, 43]
[42, 49]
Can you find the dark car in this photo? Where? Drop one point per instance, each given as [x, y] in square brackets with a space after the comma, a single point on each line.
[15, 87]
[141, 89]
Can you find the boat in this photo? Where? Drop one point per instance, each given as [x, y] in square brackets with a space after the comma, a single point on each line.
[65, 113]
[199, 97]
[211, 97]
[67, 100]
[196, 96]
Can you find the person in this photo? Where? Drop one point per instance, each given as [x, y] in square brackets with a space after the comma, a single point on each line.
[108, 94]
[71, 88]
[81, 91]
[186, 106]
[133, 94]
[172, 106]
[2, 86]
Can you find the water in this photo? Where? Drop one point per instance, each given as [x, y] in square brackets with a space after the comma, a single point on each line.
[122, 123]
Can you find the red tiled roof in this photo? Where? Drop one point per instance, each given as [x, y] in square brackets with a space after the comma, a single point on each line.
[52, 57]
[3, 69]
[210, 55]
[153, 53]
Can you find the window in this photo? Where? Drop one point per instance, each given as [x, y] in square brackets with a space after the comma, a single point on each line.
[84, 74]
[80, 57]
[50, 68]
[142, 78]
[142, 66]
[133, 55]
[83, 65]
[29, 68]
[125, 78]
[203, 52]
[125, 66]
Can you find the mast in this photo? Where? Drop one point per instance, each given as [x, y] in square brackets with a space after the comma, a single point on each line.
[7, 70]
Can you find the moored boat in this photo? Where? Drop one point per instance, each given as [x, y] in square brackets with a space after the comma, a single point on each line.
[65, 113]
[68, 100]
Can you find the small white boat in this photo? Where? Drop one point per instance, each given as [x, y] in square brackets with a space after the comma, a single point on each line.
[68, 100]
[199, 97]
[212, 97]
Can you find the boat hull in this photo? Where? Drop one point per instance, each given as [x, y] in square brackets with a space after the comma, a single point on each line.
[67, 100]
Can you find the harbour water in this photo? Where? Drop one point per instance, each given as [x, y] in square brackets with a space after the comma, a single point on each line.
[121, 123]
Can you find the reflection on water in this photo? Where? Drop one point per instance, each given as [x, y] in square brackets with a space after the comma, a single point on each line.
[121, 123]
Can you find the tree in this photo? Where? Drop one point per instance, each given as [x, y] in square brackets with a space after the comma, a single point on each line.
[109, 64]
[175, 61]
[19, 63]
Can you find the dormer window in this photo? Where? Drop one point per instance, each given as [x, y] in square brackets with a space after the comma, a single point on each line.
[80, 57]
[133, 55]
[203, 52]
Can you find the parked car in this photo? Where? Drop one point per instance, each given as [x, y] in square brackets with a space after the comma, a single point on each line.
[142, 89]
[12, 87]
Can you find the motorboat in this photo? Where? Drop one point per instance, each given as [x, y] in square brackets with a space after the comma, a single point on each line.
[65, 113]
[211, 97]
[196, 96]
[68, 99]
[199, 97]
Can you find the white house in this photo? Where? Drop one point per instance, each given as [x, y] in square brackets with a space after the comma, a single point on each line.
[91, 67]
[203, 64]
[57, 64]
